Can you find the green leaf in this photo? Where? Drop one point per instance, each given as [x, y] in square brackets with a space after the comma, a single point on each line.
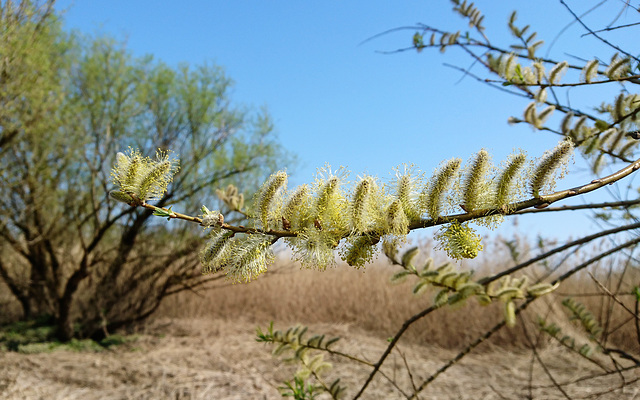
[636, 291]
[601, 125]
[159, 212]
[399, 276]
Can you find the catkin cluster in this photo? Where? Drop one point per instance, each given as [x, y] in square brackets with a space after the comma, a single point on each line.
[332, 216]
[142, 178]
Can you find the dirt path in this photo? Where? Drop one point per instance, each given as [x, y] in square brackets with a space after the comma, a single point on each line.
[204, 359]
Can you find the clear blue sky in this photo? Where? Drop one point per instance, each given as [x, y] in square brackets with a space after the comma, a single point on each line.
[335, 101]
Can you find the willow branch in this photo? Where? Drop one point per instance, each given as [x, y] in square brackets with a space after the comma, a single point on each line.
[612, 204]
[631, 78]
[391, 345]
[521, 308]
[540, 202]
[559, 249]
[603, 40]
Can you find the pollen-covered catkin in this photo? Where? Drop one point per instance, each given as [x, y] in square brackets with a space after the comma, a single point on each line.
[267, 194]
[143, 177]
[475, 180]
[590, 71]
[360, 205]
[131, 171]
[548, 165]
[459, 241]
[326, 193]
[505, 179]
[397, 222]
[404, 191]
[296, 206]
[151, 184]
[360, 252]
[214, 253]
[250, 259]
[434, 194]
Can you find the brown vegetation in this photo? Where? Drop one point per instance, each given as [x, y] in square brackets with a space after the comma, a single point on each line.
[202, 345]
[366, 300]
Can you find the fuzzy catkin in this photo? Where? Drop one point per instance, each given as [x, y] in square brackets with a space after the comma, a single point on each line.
[397, 222]
[360, 252]
[474, 181]
[267, 194]
[326, 193]
[360, 205]
[548, 165]
[250, 259]
[404, 190]
[510, 172]
[590, 71]
[439, 184]
[150, 186]
[214, 253]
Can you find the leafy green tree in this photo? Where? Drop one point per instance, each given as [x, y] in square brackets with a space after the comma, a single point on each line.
[67, 250]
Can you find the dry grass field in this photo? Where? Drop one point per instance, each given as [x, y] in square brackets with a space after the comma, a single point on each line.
[219, 359]
[202, 346]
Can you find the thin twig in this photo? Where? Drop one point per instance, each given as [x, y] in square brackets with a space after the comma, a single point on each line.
[537, 356]
[406, 366]
[559, 249]
[610, 28]
[391, 345]
[603, 40]
[573, 84]
[612, 296]
[610, 204]
[522, 307]
[637, 306]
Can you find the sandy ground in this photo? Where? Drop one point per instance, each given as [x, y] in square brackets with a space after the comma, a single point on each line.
[218, 359]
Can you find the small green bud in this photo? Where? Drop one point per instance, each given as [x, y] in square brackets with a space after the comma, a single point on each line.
[121, 197]
[510, 313]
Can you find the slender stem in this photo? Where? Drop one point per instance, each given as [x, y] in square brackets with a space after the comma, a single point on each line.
[637, 306]
[534, 350]
[237, 229]
[522, 307]
[391, 345]
[611, 204]
[559, 249]
[613, 296]
[539, 202]
[573, 84]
